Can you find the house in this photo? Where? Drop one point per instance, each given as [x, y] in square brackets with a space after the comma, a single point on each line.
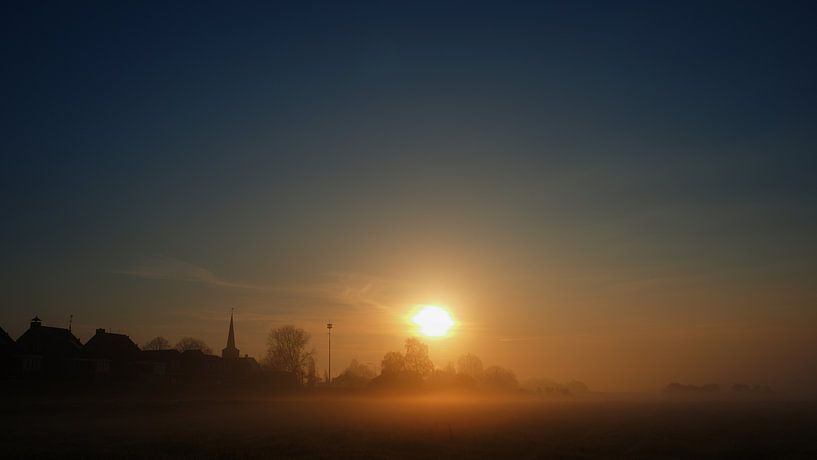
[160, 366]
[198, 367]
[109, 356]
[8, 363]
[47, 351]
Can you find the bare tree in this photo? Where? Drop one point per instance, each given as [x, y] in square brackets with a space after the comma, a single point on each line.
[287, 350]
[157, 343]
[417, 359]
[191, 343]
[470, 365]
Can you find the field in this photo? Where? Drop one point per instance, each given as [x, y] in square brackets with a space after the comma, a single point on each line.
[321, 425]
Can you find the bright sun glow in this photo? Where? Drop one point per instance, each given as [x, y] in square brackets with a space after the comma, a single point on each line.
[433, 321]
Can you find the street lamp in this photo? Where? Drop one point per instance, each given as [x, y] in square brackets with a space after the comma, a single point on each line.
[329, 332]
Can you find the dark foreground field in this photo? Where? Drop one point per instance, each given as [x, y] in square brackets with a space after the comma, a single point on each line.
[320, 426]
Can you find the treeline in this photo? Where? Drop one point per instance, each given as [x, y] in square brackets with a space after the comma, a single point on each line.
[413, 369]
[409, 369]
[184, 344]
[288, 351]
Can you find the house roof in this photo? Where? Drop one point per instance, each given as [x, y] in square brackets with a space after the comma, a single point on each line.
[48, 341]
[110, 346]
[5, 339]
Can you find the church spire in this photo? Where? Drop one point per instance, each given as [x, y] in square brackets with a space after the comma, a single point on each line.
[230, 351]
[231, 334]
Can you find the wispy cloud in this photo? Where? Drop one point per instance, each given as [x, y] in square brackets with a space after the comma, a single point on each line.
[166, 268]
[221, 316]
[349, 291]
[519, 339]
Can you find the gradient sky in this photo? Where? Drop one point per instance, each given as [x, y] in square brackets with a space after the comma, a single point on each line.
[621, 193]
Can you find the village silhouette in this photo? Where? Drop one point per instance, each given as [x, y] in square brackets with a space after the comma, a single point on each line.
[55, 355]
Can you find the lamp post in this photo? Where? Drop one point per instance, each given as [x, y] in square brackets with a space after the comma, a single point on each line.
[329, 332]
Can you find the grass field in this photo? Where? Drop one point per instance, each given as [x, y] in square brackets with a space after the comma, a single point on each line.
[323, 426]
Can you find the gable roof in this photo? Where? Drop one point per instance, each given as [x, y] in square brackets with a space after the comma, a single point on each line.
[48, 341]
[110, 346]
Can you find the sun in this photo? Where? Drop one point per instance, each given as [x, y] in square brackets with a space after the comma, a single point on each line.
[433, 321]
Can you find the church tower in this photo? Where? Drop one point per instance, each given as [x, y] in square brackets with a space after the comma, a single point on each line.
[230, 352]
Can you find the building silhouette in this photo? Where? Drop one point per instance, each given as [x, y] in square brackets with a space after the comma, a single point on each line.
[8, 363]
[108, 356]
[54, 354]
[230, 351]
[160, 366]
[234, 368]
[47, 351]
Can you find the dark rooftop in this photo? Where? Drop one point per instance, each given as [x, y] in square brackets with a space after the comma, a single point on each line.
[111, 346]
[5, 339]
[45, 340]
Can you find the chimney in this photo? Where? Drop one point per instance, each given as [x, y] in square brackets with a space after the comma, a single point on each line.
[36, 321]
[100, 331]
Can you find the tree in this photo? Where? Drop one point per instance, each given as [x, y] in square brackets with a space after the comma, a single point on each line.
[577, 388]
[287, 350]
[416, 357]
[356, 375]
[470, 365]
[157, 343]
[499, 378]
[311, 372]
[445, 377]
[191, 343]
[393, 364]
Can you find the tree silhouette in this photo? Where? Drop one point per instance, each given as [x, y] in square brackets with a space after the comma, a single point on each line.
[416, 358]
[157, 343]
[191, 343]
[311, 372]
[356, 375]
[470, 365]
[287, 350]
[393, 364]
[499, 378]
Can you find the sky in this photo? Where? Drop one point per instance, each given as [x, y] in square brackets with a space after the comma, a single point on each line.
[622, 193]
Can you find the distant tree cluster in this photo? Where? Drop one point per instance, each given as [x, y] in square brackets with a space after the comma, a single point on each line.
[191, 343]
[357, 375]
[681, 389]
[413, 369]
[157, 343]
[185, 344]
[548, 387]
[751, 389]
